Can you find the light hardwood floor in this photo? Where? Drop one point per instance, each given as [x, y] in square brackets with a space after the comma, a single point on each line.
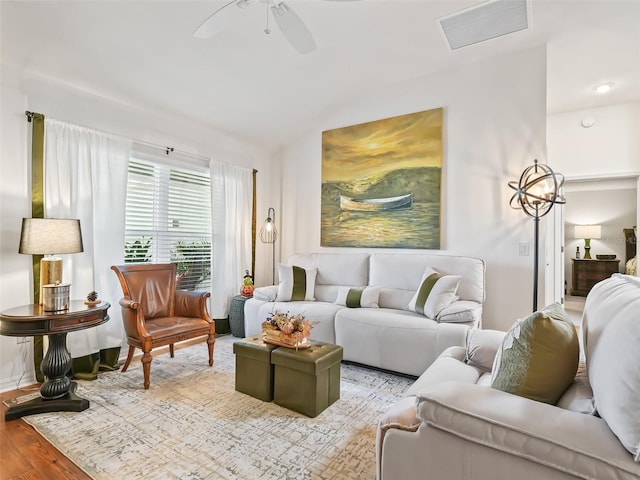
[26, 455]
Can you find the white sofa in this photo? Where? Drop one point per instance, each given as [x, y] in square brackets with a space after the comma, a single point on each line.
[453, 426]
[389, 337]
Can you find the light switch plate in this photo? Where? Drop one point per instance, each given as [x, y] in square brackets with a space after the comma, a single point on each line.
[523, 249]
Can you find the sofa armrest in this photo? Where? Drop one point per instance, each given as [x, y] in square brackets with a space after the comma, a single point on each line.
[266, 294]
[580, 445]
[482, 346]
[461, 311]
[402, 416]
[448, 366]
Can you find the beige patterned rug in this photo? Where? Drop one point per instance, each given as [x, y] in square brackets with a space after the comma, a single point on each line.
[192, 425]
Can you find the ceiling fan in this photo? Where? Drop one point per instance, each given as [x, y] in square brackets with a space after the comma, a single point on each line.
[290, 24]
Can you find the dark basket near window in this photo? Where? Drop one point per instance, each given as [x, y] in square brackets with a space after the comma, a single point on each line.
[236, 316]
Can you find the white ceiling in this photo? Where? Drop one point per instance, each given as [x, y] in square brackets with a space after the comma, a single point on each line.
[258, 87]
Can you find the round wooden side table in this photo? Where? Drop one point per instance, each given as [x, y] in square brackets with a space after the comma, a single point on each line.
[57, 393]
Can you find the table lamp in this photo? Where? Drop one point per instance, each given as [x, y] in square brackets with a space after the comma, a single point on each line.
[587, 232]
[50, 237]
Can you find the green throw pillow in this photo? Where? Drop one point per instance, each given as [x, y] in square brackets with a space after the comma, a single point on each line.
[435, 293]
[366, 297]
[539, 356]
[296, 283]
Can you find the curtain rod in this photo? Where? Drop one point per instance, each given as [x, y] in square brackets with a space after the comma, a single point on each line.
[167, 150]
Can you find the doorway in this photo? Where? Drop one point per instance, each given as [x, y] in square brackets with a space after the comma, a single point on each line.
[608, 201]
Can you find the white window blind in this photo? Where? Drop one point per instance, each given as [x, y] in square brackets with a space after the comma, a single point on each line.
[168, 219]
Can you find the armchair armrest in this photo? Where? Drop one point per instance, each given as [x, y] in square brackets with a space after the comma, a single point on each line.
[133, 318]
[191, 304]
[578, 444]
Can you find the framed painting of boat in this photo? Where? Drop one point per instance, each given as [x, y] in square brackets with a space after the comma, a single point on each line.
[381, 183]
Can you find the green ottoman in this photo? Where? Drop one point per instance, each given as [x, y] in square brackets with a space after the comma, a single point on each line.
[308, 380]
[254, 371]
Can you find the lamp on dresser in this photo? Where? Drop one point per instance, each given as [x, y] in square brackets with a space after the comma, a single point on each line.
[587, 232]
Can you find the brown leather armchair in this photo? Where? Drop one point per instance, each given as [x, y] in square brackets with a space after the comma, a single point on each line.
[154, 313]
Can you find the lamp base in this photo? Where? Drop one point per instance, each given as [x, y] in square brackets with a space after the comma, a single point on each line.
[50, 272]
[587, 249]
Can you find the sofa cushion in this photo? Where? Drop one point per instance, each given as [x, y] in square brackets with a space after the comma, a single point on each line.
[355, 297]
[404, 271]
[436, 291]
[296, 283]
[611, 329]
[539, 356]
[482, 346]
[579, 396]
[335, 268]
[582, 446]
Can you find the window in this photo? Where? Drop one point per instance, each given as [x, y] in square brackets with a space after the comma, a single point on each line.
[168, 219]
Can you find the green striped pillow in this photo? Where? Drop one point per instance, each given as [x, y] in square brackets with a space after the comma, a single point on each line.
[435, 293]
[539, 356]
[366, 297]
[296, 283]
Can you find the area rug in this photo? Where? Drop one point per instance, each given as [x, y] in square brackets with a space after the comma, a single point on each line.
[192, 424]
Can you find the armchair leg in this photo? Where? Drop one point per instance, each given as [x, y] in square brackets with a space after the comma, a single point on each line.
[171, 350]
[129, 357]
[146, 368]
[211, 340]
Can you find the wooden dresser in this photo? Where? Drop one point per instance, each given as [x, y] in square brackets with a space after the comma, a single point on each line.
[586, 273]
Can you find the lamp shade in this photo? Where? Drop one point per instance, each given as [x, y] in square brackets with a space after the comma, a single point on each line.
[588, 231]
[269, 232]
[538, 190]
[50, 236]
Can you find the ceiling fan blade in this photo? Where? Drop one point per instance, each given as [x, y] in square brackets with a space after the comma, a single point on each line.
[293, 28]
[216, 22]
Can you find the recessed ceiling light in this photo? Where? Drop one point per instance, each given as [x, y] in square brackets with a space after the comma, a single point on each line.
[605, 87]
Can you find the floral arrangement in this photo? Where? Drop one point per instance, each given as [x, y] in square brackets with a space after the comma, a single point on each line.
[287, 329]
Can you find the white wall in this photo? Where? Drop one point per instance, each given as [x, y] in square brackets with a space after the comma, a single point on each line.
[19, 92]
[611, 146]
[495, 126]
[603, 156]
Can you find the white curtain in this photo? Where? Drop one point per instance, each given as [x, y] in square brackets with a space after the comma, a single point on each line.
[86, 178]
[232, 206]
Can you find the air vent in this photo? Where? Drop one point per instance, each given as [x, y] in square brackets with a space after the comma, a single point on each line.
[485, 21]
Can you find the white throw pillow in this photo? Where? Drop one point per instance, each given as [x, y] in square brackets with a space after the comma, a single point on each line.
[296, 283]
[366, 297]
[435, 293]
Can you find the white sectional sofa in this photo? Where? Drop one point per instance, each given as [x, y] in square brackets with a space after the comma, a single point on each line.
[390, 337]
[452, 425]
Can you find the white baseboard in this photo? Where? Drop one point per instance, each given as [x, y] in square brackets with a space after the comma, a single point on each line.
[12, 383]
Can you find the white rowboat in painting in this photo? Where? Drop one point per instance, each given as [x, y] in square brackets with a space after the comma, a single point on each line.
[376, 204]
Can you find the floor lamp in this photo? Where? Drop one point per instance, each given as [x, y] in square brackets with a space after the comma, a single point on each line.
[269, 234]
[537, 191]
